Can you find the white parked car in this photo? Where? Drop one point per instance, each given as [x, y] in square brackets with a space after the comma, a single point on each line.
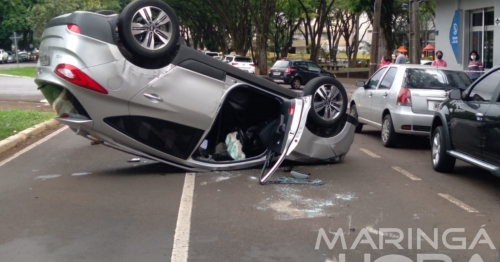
[3, 56]
[402, 99]
[242, 62]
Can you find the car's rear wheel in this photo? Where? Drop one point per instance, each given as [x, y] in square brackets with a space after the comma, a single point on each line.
[296, 83]
[441, 161]
[148, 29]
[388, 135]
[354, 113]
[329, 100]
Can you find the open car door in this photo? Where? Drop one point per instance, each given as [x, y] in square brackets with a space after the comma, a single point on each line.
[283, 135]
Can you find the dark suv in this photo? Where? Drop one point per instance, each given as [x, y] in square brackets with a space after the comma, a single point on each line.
[296, 72]
[467, 126]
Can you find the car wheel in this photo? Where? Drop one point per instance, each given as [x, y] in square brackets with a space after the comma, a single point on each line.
[329, 100]
[388, 135]
[441, 161]
[148, 29]
[295, 84]
[354, 113]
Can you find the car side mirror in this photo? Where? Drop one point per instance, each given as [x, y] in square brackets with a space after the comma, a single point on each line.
[455, 94]
[360, 83]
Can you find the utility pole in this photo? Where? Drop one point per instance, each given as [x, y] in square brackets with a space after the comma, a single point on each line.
[377, 9]
[414, 32]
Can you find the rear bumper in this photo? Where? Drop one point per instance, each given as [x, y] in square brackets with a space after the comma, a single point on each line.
[281, 79]
[418, 124]
[314, 149]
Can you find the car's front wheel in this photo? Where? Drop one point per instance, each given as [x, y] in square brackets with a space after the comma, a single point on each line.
[388, 136]
[441, 161]
[149, 29]
[329, 100]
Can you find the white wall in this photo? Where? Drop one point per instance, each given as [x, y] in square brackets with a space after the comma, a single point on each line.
[445, 10]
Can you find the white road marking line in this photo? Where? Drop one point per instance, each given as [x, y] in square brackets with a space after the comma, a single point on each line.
[370, 153]
[7, 160]
[183, 228]
[459, 203]
[406, 173]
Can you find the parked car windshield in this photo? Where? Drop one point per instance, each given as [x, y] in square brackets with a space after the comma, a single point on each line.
[243, 59]
[420, 78]
[281, 63]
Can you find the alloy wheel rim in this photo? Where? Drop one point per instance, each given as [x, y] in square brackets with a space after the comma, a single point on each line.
[385, 130]
[151, 28]
[436, 147]
[328, 102]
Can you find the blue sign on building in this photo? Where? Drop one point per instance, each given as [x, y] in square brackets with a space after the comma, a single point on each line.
[454, 34]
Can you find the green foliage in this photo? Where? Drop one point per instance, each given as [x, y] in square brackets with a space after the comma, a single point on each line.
[22, 71]
[15, 121]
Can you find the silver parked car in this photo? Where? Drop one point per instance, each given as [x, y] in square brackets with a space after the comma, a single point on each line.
[3, 56]
[142, 92]
[402, 99]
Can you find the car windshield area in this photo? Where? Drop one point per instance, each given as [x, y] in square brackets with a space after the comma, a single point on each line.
[423, 78]
[281, 63]
[243, 59]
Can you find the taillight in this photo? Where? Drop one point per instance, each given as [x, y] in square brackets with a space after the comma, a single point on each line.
[73, 28]
[404, 97]
[291, 109]
[288, 70]
[77, 77]
[252, 65]
[234, 63]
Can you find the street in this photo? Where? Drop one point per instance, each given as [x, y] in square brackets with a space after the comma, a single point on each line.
[66, 200]
[19, 89]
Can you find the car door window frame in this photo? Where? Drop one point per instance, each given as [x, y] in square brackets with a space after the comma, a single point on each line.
[386, 74]
[383, 72]
[314, 66]
[494, 95]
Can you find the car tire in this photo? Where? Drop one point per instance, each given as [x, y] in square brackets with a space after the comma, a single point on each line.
[354, 113]
[388, 136]
[329, 100]
[296, 83]
[145, 13]
[441, 161]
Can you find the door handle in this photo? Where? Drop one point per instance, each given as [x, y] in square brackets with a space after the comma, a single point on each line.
[385, 94]
[153, 97]
[370, 94]
[479, 116]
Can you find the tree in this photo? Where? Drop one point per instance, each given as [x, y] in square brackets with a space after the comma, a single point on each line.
[262, 11]
[316, 14]
[236, 19]
[12, 18]
[286, 21]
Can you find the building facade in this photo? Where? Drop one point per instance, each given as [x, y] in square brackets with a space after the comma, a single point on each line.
[466, 25]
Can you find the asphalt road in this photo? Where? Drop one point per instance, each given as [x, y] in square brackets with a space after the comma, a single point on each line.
[65, 200]
[19, 89]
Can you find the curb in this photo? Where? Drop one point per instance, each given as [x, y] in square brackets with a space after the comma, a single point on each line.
[12, 141]
[16, 76]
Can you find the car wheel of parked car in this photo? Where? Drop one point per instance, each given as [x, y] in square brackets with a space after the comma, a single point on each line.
[441, 161]
[388, 135]
[295, 84]
[329, 100]
[148, 29]
[354, 113]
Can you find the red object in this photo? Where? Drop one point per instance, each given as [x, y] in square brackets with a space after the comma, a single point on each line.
[252, 65]
[288, 70]
[406, 127]
[64, 115]
[234, 63]
[384, 63]
[76, 76]
[429, 47]
[74, 28]
[404, 97]
[291, 109]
